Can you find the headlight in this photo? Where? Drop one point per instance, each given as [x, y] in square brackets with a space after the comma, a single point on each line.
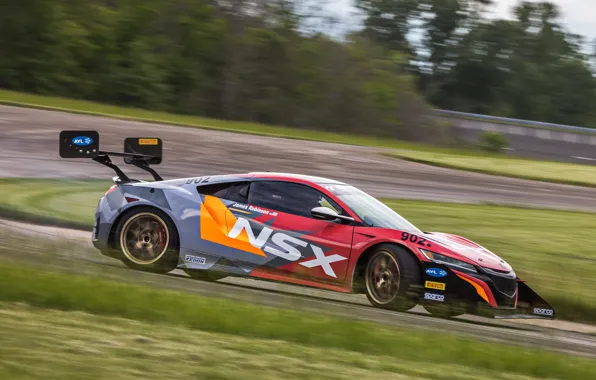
[437, 258]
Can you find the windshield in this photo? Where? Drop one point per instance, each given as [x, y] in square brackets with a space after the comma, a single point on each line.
[373, 212]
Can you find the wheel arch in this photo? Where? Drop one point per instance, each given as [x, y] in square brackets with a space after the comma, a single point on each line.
[360, 266]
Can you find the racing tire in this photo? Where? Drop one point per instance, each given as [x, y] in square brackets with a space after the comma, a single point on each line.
[147, 240]
[391, 277]
[204, 275]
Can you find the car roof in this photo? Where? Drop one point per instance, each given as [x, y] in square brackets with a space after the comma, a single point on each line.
[299, 177]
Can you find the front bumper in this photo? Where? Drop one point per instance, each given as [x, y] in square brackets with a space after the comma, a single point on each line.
[487, 293]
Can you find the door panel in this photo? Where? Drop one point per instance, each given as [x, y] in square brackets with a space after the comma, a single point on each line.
[325, 252]
[295, 243]
[259, 240]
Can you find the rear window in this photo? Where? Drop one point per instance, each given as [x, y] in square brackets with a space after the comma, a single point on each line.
[232, 191]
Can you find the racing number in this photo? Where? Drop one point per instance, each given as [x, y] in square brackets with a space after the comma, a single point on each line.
[198, 180]
[414, 239]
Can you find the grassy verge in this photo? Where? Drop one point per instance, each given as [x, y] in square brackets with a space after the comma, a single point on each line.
[297, 336]
[550, 249]
[63, 203]
[90, 346]
[556, 172]
[99, 109]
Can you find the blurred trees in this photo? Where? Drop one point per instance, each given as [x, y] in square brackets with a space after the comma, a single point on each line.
[528, 67]
[257, 60]
[234, 59]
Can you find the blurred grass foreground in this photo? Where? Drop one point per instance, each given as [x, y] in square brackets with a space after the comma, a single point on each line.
[60, 325]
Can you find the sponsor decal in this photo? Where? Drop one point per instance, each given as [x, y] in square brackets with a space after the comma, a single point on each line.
[254, 209]
[148, 142]
[436, 272]
[194, 259]
[434, 285]
[82, 140]
[434, 297]
[546, 312]
[288, 246]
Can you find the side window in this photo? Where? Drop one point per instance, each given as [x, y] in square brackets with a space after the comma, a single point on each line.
[288, 197]
[232, 191]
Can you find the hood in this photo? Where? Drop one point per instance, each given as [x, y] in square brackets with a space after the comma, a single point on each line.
[470, 250]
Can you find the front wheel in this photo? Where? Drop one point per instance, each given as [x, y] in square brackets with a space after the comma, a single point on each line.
[390, 277]
[147, 240]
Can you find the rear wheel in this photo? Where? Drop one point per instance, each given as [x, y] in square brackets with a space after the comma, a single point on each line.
[147, 240]
[390, 277]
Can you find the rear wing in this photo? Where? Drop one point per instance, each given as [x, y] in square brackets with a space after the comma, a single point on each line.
[141, 152]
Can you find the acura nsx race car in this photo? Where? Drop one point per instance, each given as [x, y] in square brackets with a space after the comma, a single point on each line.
[296, 229]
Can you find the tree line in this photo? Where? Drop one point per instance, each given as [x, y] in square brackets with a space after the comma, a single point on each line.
[255, 60]
[527, 67]
[236, 59]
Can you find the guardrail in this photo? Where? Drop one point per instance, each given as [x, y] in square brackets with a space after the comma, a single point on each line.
[515, 122]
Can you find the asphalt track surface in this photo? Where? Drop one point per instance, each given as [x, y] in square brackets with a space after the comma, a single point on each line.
[567, 337]
[29, 148]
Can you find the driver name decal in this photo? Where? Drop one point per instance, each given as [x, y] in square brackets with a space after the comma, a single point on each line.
[253, 209]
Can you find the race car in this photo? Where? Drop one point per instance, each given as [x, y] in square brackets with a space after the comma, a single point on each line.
[296, 229]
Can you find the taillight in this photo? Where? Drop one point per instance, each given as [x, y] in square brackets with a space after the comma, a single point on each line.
[111, 189]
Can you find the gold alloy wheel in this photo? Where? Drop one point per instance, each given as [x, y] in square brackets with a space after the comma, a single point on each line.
[144, 238]
[383, 277]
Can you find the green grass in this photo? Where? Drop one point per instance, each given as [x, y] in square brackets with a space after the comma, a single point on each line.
[556, 172]
[274, 335]
[553, 250]
[42, 344]
[99, 109]
[56, 202]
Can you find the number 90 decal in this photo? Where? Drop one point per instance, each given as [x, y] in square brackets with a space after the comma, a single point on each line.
[405, 236]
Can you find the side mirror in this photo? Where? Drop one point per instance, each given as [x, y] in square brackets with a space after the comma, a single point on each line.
[325, 213]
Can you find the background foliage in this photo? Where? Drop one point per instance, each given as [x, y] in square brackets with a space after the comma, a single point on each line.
[528, 67]
[259, 61]
[236, 60]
